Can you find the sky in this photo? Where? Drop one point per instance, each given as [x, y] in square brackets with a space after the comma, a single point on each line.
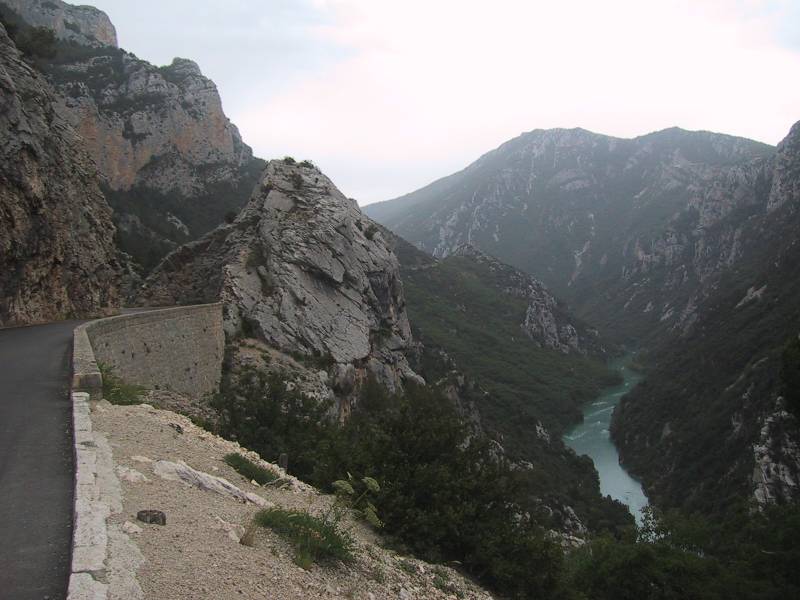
[386, 96]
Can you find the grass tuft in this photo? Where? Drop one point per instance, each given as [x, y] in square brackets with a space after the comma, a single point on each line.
[116, 391]
[248, 469]
[315, 538]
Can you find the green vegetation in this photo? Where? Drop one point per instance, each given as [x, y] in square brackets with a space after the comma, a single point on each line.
[116, 391]
[790, 374]
[747, 556]
[359, 503]
[445, 496]
[148, 244]
[443, 492]
[315, 538]
[715, 386]
[460, 305]
[248, 469]
[257, 410]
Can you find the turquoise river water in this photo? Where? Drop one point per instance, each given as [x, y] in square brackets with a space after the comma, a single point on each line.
[592, 438]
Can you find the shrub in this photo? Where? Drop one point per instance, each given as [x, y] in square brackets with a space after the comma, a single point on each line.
[315, 538]
[258, 410]
[790, 374]
[248, 469]
[360, 504]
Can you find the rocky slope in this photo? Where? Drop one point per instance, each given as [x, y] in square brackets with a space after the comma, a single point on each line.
[82, 24]
[711, 425]
[627, 231]
[546, 321]
[302, 269]
[57, 256]
[172, 162]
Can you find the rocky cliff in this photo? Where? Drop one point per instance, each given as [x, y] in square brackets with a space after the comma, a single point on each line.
[710, 425]
[57, 256]
[302, 269]
[84, 25]
[173, 164]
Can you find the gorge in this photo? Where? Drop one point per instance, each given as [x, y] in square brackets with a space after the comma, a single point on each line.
[457, 357]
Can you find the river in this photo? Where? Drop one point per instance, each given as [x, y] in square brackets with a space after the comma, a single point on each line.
[592, 438]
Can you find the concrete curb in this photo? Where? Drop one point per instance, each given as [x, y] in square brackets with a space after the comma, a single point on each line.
[90, 534]
[86, 375]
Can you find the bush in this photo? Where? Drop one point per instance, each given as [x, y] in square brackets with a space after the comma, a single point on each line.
[248, 469]
[443, 493]
[315, 538]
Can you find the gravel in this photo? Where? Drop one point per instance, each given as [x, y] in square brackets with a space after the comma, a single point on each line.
[196, 554]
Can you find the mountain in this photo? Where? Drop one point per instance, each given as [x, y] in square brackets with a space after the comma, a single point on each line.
[628, 232]
[714, 421]
[57, 256]
[173, 165]
[84, 25]
[681, 243]
[303, 270]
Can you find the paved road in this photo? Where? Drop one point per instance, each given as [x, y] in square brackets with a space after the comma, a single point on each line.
[36, 462]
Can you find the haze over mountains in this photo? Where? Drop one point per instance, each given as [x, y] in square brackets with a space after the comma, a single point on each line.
[681, 243]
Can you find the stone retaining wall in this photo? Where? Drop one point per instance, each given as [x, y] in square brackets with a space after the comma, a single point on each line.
[179, 349]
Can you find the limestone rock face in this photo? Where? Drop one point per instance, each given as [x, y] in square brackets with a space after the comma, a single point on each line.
[57, 256]
[82, 24]
[159, 125]
[303, 269]
[173, 165]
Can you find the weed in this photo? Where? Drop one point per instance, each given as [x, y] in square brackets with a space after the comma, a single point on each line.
[315, 538]
[249, 537]
[248, 469]
[360, 504]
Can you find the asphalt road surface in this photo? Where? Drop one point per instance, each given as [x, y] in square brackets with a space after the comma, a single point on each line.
[36, 462]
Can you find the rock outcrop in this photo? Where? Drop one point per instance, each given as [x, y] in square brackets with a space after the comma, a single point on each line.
[546, 322]
[57, 255]
[302, 269]
[84, 25]
[173, 165]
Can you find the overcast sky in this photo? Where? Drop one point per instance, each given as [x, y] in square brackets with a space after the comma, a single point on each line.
[386, 96]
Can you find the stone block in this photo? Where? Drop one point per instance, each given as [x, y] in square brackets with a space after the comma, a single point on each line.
[83, 586]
